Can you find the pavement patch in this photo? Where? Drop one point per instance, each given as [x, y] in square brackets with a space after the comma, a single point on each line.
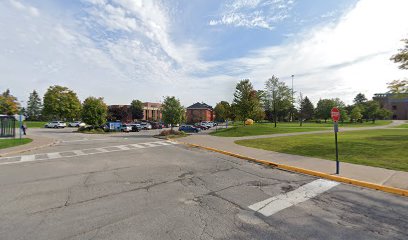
[310, 190]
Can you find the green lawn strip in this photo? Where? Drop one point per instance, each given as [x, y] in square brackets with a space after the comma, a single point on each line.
[403, 126]
[385, 148]
[6, 143]
[261, 129]
[33, 124]
[329, 123]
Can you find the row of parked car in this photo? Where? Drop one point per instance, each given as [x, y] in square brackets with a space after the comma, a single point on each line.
[205, 125]
[61, 124]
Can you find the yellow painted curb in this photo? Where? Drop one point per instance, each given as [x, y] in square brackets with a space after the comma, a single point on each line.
[351, 181]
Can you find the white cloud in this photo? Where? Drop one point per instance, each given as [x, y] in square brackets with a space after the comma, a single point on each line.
[336, 60]
[26, 8]
[253, 13]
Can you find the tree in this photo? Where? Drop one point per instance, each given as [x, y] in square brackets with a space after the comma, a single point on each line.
[307, 109]
[323, 108]
[62, 103]
[359, 99]
[402, 56]
[355, 114]
[247, 101]
[278, 98]
[222, 111]
[344, 116]
[94, 111]
[373, 110]
[172, 111]
[8, 103]
[398, 86]
[136, 107]
[34, 106]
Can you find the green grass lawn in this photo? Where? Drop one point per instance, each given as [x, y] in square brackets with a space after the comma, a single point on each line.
[6, 143]
[33, 124]
[286, 127]
[384, 148]
[403, 126]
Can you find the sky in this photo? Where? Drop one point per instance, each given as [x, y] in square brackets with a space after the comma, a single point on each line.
[198, 50]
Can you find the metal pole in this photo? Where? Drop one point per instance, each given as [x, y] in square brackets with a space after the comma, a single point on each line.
[291, 111]
[21, 124]
[337, 149]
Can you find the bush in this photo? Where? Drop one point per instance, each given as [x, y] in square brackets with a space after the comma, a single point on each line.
[170, 132]
[91, 129]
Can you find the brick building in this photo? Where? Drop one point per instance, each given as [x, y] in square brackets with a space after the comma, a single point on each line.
[397, 105]
[151, 112]
[199, 112]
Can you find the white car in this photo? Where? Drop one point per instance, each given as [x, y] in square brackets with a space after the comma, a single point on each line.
[76, 124]
[55, 124]
[146, 126]
[126, 128]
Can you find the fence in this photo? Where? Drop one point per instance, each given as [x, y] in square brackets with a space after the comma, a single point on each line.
[7, 126]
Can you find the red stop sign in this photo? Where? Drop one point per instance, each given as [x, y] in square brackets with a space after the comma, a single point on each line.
[335, 114]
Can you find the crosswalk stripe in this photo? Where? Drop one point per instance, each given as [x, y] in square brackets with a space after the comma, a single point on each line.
[27, 158]
[83, 152]
[53, 155]
[310, 190]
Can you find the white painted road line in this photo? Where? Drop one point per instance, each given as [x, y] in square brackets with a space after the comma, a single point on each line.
[27, 158]
[83, 152]
[137, 146]
[53, 155]
[310, 190]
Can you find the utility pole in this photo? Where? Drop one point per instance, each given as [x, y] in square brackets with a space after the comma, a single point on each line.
[291, 111]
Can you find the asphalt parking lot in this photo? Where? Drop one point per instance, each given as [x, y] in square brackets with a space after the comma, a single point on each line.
[133, 186]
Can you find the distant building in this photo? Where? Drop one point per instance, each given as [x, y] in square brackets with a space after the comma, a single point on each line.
[151, 112]
[199, 112]
[397, 105]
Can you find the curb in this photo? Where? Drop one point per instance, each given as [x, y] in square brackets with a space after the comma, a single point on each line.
[29, 149]
[351, 181]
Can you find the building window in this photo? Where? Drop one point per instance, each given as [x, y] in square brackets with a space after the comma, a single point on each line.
[394, 107]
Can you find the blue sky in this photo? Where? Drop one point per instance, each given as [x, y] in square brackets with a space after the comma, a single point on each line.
[199, 50]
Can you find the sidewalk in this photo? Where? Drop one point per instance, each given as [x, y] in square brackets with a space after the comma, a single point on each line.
[392, 178]
[38, 142]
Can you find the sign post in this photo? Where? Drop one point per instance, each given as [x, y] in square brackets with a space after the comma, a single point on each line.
[335, 115]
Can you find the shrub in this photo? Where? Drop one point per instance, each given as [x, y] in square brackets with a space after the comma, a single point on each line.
[170, 132]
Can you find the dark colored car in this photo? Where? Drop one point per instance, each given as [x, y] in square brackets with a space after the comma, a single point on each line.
[200, 127]
[156, 125]
[189, 128]
[136, 127]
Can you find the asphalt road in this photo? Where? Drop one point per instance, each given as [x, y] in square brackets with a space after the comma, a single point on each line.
[133, 186]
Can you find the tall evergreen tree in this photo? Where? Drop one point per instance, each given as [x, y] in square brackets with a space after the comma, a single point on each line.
[307, 109]
[34, 106]
[360, 98]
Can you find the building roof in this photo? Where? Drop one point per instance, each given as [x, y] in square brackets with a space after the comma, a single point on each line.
[198, 105]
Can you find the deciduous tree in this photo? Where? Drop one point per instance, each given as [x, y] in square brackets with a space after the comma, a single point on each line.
[62, 103]
[136, 107]
[246, 100]
[172, 111]
[278, 98]
[402, 56]
[8, 103]
[222, 111]
[94, 111]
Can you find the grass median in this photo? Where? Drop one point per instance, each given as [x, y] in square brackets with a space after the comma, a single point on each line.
[385, 148]
[34, 124]
[6, 143]
[286, 127]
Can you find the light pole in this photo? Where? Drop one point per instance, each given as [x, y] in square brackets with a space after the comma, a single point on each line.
[291, 111]
[21, 119]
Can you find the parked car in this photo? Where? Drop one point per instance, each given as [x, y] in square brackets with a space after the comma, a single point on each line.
[156, 125]
[205, 124]
[189, 128]
[126, 128]
[135, 127]
[146, 126]
[198, 125]
[76, 124]
[55, 124]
